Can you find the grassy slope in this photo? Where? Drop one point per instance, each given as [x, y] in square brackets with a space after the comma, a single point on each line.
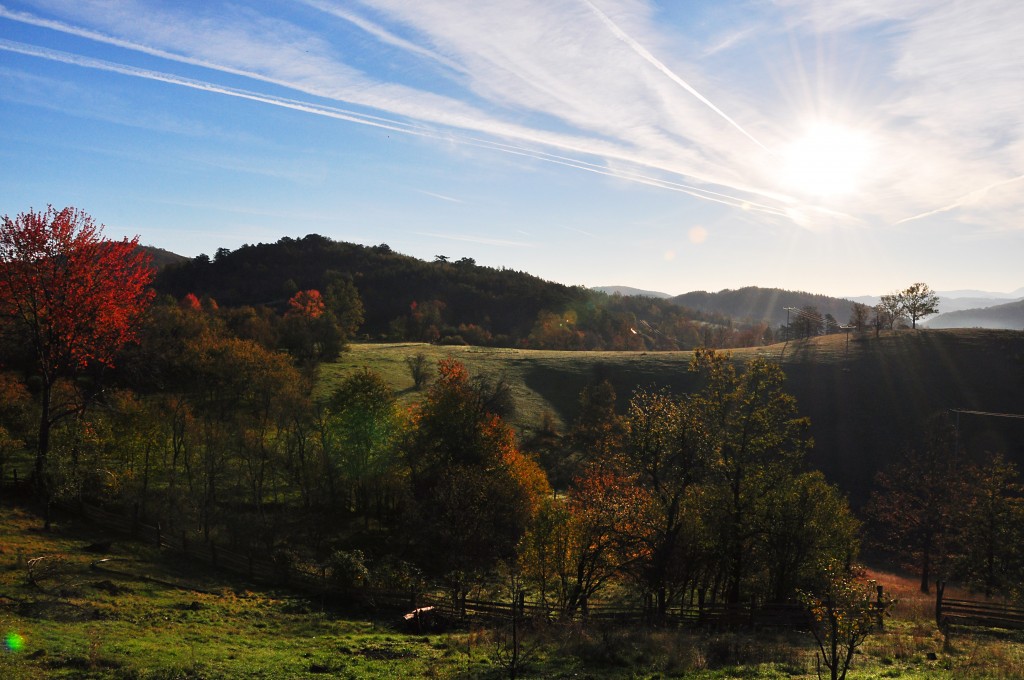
[177, 620]
[866, 402]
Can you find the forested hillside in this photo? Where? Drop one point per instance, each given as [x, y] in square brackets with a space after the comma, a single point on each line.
[454, 302]
[762, 304]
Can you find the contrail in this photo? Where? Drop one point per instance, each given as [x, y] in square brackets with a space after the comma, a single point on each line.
[382, 34]
[966, 198]
[696, 192]
[352, 116]
[378, 122]
[505, 131]
[642, 51]
[102, 65]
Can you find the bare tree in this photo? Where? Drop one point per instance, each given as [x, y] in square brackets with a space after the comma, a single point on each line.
[892, 304]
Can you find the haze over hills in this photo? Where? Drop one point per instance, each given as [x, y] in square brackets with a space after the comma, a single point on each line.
[1008, 316]
[957, 300]
[754, 303]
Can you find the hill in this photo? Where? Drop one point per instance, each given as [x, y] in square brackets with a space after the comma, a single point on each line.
[762, 304]
[866, 403]
[628, 290]
[405, 298]
[164, 258]
[1009, 316]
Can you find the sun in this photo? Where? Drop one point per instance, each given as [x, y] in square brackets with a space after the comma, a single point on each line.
[829, 160]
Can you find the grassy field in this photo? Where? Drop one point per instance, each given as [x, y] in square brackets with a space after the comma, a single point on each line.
[145, 615]
[868, 398]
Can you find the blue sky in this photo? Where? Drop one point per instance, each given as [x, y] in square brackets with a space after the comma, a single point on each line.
[843, 147]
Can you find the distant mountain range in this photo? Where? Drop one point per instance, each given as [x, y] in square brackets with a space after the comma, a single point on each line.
[1008, 316]
[957, 308]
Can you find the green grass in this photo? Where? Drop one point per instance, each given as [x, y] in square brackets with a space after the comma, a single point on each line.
[162, 617]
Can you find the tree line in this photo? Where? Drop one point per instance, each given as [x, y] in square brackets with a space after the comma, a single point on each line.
[893, 311]
[452, 302]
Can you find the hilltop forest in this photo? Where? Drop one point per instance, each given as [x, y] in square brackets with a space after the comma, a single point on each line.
[453, 302]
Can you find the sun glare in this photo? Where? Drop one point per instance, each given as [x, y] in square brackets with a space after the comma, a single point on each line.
[828, 161]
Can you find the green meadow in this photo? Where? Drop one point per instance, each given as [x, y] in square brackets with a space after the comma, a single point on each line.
[142, 614]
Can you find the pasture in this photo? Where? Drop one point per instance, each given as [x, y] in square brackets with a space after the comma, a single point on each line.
[868, 398]
[158, 616]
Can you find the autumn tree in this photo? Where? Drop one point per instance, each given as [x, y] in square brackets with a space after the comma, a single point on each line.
[989, 556]
[757, 443]
[310, 331]
[473, 493]
[74, 298]
[917, 505]
[15, 417]
[843, 615]
[918, 301]
[666, 450]
[602, 534]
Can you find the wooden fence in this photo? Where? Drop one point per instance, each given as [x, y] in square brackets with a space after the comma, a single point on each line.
[950, 613]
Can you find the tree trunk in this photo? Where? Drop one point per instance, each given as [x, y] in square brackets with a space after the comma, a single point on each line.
[42, 483]
[925, 570]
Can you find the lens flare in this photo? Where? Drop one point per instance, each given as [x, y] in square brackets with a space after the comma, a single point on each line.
[14, 642]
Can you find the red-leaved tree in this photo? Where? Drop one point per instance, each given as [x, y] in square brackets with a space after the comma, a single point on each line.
[71, 296]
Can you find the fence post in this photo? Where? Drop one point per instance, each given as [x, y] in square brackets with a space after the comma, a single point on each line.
[879, 618]
[940, 587]
[158, 535]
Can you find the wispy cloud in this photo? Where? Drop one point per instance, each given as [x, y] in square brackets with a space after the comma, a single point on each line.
[440, 197]
[965, 200]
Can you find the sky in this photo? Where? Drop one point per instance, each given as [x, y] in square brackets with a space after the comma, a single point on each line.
[843, 147]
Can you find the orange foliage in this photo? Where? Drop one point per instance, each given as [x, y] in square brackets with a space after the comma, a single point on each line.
[306, 303]
[190, 301]
[78, 295]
